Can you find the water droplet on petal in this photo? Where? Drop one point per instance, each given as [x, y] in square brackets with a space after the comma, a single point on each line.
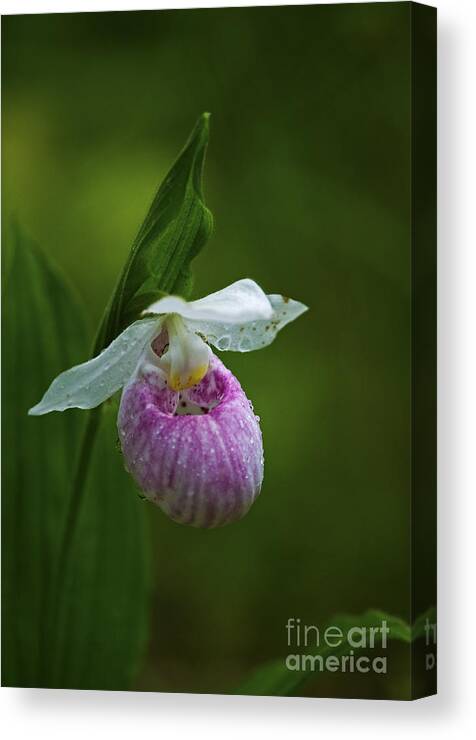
[245, 344]
[224, 342]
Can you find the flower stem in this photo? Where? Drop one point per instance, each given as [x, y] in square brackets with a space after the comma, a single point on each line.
[79, 480]
[83, 461]
[76, 498]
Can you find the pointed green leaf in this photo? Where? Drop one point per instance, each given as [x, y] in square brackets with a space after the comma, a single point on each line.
[43, 333]
[175, 229]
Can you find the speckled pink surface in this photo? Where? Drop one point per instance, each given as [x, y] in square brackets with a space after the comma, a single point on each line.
[203, 468]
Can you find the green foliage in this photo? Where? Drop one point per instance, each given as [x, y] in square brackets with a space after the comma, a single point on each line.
[43, 333]
[102, 626]
[274, 679]
[175, 229]
[74, 618]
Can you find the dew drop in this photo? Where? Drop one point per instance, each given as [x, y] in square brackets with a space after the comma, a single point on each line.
[224, 342]
[245, 344]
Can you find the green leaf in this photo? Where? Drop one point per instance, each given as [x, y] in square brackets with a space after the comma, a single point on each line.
[274, 678]
[80, 619]
[43, 333]
[399, 629]
[175, 229]
[102, 626]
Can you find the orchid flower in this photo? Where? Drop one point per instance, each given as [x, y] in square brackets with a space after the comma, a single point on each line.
[188, 433]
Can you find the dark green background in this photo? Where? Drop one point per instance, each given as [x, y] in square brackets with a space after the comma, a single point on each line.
[308, 177]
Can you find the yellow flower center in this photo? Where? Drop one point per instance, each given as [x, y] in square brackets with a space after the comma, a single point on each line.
[187, 358]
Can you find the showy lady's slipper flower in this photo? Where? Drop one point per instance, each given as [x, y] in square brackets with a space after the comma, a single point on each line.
[188, 433]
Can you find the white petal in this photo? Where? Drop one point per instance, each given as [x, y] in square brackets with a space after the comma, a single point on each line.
[239, 302]
[169, 304]
[250, 335]
[87, 385]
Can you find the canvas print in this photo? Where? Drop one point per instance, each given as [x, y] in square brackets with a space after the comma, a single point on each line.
[219, 424]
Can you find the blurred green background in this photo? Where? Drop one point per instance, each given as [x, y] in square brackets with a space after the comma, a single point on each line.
[308, 177]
